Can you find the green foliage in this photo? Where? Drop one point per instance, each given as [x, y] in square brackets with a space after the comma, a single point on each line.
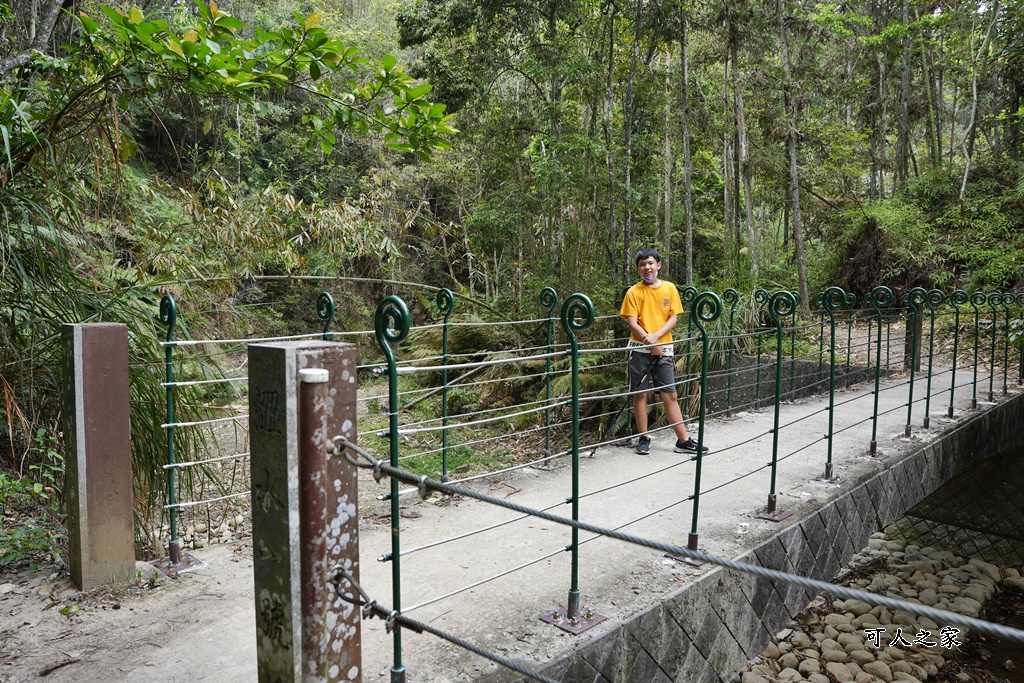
[31, 530]
[926, 237]
[209, 57]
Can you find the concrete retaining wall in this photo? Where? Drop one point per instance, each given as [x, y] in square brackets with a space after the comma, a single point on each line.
[710, 628]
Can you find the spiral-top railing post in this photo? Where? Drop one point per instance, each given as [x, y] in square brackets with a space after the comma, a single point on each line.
[169, 317]
[575, 305]
[888, 340]
[878, 298]
[818, 298]
[956, 299]
[976, 300]
[913, 300]
[934, 298]
[730, 297]
[1005, 300]
[325, 311]
[851, 302]
[870, 324]
[445, 305]
[993, 300]
[687, 295]
[831, 300]
[761, 297]
[706, 308]
[781, 305]
[792, 350]
[1020, 369]
[391, 326]
[548, 299]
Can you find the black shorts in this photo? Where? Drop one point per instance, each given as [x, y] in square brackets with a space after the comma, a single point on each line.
[643, 368]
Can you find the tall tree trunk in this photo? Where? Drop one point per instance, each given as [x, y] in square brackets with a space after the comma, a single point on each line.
[744, 163]
[628, 141]
[609, 139]
[41, 23]
[883, 125]
[934, 153]
[982, 58]
[902, 171]
[687, 163]
[666, 235]
[794, 176]
[727, 166]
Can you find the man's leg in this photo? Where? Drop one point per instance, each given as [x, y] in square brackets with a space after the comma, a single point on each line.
[674, 415]
[640, 412]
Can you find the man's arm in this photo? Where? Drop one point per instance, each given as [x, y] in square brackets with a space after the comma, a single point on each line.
[651, 338]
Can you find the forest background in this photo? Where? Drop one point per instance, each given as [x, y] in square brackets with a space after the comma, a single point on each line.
[185, 148]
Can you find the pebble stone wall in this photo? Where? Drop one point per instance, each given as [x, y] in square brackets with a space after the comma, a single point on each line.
[711, 628]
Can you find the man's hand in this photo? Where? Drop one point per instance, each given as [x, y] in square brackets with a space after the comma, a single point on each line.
[650, 339]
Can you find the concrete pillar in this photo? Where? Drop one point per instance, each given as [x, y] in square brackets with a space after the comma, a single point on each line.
[278, 528]
[98, 453]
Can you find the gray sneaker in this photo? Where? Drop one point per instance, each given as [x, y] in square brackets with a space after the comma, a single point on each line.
[643, 446]
[688, 446]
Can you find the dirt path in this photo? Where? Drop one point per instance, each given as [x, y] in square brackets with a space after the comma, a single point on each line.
[200, 627]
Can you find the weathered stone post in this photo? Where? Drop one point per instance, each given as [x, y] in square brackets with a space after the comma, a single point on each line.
[98, 453]
[286, 542]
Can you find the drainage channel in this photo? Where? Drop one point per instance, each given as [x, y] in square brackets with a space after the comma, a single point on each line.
[980, 513]
[960, 549]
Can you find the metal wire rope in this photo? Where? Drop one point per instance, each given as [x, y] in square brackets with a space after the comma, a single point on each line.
[245, 492]
[425, 484]
[474, 423]
[487, 580]
[373, 608]
[409, 370]
[194, 383]
[169, 425]
[205, 462]
[474, 532]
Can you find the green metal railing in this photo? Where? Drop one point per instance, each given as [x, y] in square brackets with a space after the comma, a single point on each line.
[781, 305]
[976, 300]
[169, 317]
[993, 301]
[878, 298]
[549, 300]
[832, 300]
[730, 297]
[687, 295]
[706, 308]
[445, 305]
[957, 299]
[932, 299]
[761, 297]
[391, 326]
[577, 305]
[913, 300]
[325, 311]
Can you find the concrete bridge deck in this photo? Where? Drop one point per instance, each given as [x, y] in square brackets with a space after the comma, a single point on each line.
[616, 580]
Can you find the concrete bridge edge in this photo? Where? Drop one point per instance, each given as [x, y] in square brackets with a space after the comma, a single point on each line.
[710, 628]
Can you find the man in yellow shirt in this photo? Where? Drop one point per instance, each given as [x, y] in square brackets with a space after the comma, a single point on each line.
[651, 307]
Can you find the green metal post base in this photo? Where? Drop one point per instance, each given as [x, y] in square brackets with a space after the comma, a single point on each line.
[770, 512]
[585, 619]
[398, 675]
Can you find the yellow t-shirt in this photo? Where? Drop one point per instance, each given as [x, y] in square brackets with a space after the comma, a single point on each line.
[652, 306]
